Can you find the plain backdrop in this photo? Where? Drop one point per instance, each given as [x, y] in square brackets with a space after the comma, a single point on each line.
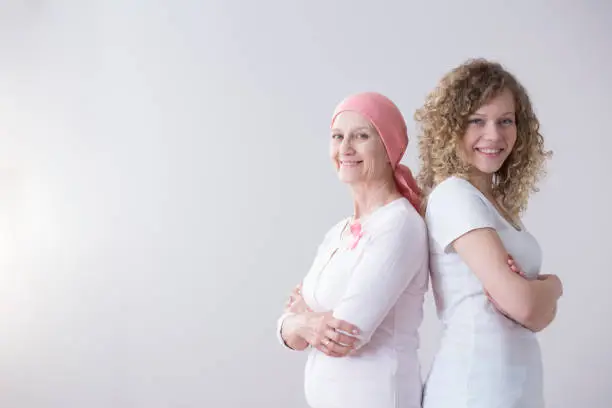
[164, 182]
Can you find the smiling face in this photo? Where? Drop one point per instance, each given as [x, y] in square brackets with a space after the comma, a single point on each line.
[490, 134]
[357, 151]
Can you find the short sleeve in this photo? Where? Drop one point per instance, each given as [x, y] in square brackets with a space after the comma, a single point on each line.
[454, 208]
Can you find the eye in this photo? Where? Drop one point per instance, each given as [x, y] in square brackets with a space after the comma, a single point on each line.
[337, 136]
[507, 122]
[476, 121]
[363, 136]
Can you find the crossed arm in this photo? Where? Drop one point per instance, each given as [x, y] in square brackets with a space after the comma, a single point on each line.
[532, 303]
[387, 266]
[300, 328]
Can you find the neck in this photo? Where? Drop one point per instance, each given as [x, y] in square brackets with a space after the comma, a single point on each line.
[483, 182]
[370, 196]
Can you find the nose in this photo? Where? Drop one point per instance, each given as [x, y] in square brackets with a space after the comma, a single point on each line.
[492, 131]
[346, 147]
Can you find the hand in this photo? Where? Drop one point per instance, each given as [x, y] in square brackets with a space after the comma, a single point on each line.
[514, 266]
[296, 303]
[328, 334]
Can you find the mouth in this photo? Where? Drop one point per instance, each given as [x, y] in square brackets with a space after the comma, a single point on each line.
[350, 163]
[489, 152]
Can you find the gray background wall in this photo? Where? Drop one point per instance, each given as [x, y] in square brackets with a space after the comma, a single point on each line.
[164, 182]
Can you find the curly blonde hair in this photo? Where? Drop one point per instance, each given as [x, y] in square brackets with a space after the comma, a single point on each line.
[443, 121]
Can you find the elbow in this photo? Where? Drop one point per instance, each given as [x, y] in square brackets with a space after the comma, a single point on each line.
[533, 317]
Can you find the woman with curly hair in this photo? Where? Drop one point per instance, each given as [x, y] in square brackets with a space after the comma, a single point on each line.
[481, 157]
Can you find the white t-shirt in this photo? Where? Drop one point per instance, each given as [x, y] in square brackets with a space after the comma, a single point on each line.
[379, 287]
[485, 359]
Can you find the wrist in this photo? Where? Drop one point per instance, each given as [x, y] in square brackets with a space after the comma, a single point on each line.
[298, 323]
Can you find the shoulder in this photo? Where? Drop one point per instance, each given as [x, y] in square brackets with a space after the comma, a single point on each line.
[454, 193]
[336, 228]
[454, 208]
[453, 187]
[400, 220]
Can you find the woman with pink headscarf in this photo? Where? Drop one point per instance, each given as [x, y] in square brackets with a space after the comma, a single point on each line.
[358, 309]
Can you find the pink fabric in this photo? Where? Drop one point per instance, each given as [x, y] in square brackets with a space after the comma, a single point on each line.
[390, 124]
[357, 234]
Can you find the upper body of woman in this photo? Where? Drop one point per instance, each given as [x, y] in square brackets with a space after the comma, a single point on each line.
[360, 304]
[481, 156]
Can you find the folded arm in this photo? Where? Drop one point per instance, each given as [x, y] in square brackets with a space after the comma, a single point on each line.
[300, 328]
[531, 303]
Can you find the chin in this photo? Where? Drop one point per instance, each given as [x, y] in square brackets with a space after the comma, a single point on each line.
[348, 178]
[489, 168]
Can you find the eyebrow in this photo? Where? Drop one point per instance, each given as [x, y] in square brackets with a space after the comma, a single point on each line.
[354, 130]
[503, 114]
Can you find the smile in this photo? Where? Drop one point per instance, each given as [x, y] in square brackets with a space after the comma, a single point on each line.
[350, 163]
[488, 151]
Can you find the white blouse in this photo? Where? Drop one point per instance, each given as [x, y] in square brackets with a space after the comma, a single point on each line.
[379, 286]
[485, 360]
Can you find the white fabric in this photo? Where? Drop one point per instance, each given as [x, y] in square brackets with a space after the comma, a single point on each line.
[485, 360]
[378, 286]
[279, 326]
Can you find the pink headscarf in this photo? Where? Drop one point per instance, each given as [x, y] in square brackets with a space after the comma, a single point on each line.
[390, 124]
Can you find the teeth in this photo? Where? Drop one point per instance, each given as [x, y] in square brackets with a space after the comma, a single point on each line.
[490, 151]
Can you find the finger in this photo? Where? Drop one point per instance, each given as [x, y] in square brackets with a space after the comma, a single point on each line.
[340, 338]
[343, 326]
[324, 348]
[514, 267]
[333, 349]
[517, 270]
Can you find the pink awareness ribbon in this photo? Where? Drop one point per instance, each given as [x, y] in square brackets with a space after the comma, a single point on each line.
[357, 234]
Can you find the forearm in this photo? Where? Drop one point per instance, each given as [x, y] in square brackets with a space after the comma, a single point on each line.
[531, 303]
[543, 321]
[545, 294]
[289, 332]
